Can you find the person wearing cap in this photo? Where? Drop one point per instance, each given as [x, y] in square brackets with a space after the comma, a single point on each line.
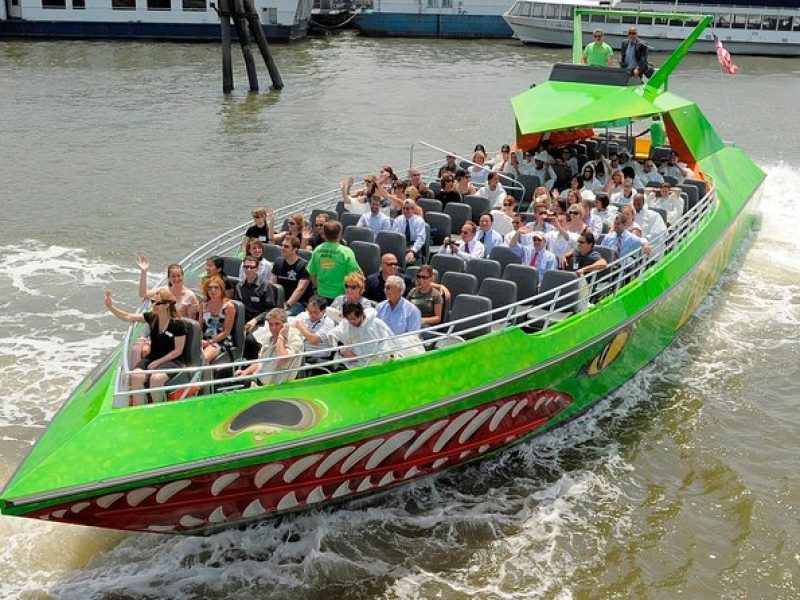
[468, 248]
[493, 190]
[503, 159]
[633, 55]
[449, 165]
[543, 170]
[411, 225]
[597, 53]
[536, 255]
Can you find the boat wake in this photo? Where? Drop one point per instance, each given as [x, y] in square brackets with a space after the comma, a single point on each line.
[547, 518]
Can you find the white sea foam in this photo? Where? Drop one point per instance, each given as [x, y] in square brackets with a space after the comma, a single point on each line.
[524, 524]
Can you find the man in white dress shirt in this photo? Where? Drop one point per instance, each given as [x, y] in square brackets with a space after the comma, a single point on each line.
[493, 190]
[468, 248]
[375, 219]
[412, 226]
[487, 235]
[651, 222]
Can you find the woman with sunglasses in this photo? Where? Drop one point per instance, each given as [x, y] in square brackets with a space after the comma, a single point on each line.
[427, 297]
[255, 250]
[354, 285]
[167, 341]
[218, 317]
[293, 226]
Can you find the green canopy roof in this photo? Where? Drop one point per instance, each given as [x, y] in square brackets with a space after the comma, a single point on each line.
[559, 105]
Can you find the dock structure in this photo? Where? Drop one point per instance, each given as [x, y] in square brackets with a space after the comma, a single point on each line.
[245, 19]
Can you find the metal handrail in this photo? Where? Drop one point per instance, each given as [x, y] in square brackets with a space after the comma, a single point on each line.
[518, 314]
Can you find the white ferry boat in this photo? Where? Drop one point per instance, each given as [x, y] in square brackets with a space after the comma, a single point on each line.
[768, 27]
[435, 18]
[282, 20]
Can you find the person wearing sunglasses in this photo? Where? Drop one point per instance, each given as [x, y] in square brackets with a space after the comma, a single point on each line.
[218, 317]
[597, 53]
[412, 226]
[427, 297]
[586, 259]
[258, 297]
[353, 293]
[376, 282]
[262, 227]
[167, 341]
[464, 184]
[255, 250]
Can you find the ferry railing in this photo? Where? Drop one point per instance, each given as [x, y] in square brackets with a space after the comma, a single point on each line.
[537, 312]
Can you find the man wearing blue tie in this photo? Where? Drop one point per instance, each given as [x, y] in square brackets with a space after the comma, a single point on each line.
[412, 226]
[488, 236]
[621, 241]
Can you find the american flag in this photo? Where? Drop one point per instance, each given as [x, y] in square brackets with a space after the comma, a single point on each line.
[724, 57]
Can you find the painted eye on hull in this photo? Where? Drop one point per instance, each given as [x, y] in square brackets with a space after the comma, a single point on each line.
[273, 415]
[610, 352]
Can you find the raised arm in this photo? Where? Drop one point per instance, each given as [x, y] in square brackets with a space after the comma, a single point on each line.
[121, 314]
[144, 264]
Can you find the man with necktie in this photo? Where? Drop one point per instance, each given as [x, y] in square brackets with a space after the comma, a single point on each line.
[468, 248]
[412, 226]
[536, 255]
[487, 235]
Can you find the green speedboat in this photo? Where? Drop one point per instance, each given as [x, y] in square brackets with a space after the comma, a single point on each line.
[221, 454]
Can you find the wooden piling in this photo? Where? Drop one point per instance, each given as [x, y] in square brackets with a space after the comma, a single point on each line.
[261, 39]
[239, 19]
[225, 29]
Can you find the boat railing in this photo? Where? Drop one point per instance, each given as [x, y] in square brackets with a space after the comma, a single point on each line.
[533, 314]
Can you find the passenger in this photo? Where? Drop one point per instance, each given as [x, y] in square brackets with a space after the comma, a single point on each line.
[312, 239]
[331, 262]
[291, 272]
[357, 201]
[586, 259]
[621, 241]
[415, 178]
[449, 165]
[563, 239]
[468, 248]
[353, 292]
[597, 53]
[167, 340]
[626, 195]
[537, 255]
[541, 197]
[502, 219]
[514, 162]
[614, 183]
[633, 55]
[258, 297]
[464, 184]
[590, 217]
[543, 169]
[315, 327]
[284, 345]
[375, 220]
[186, 302]
[219, 315]
[488, 236]
[255, 250]
[605, 210]
[650, 174]
[575, 184]
[653, 226]
[375, 282]
[261, 229]
[412, 226]
[589, 181]
[357, 327]
[478, 172]
[214, 268]
[666, 198]
[448, 192]
[503, 160]
[629, 172]
[398, 313]
[493, 190]
[544, 220]
[673, 168]
[524, 237]
[426, 297]
[570, 159]
[480, 148]
[294, 226]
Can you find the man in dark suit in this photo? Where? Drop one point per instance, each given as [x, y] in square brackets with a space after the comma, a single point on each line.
[633, 55]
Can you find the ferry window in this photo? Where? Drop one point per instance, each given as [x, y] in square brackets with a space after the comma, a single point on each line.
[739, 21]
[629, 20]
[550, 11]
[675, 23]
[691, 22]
[433, 4]
[645, 21]
[272, 15]
[658, 21]
[754, 22]
[524, 9]
[797, 23]
[447, 3]
[123, 4]
[54, 3]
[194, 4]
[538, 11]
[770, 22]
[79, 4]
[566, 12]
[785, 24]
[722, 22]
[598, 19]
[612, 19]
[158, 4]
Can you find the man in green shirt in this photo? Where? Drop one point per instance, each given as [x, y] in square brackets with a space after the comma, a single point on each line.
[597, 53]
[331, 262]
